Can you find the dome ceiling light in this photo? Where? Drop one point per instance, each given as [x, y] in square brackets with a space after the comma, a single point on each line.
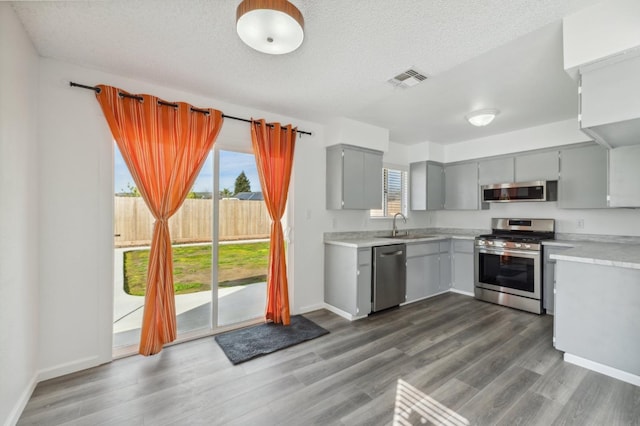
[482, 117]
[275, 27]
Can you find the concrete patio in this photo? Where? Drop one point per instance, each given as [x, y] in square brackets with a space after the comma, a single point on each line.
[193, 311]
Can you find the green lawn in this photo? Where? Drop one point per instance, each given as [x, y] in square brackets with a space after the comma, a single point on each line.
[239, 264]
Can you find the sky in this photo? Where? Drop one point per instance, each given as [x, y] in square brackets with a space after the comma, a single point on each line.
[231, 164]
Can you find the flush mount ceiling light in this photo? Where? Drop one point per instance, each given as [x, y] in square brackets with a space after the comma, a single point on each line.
[482, 117]
[275, 27]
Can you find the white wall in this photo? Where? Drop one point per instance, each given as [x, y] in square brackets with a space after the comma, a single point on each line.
[603, 30]
[427, 151]
[352, 132]
[545, 136]
[397, 154]
[76, 222]
[18, 216]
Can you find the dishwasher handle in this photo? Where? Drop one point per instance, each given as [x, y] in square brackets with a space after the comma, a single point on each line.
[395, 253]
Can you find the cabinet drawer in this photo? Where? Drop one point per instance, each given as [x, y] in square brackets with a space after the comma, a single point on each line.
[445, 246]
[422, 249]
[462, 246]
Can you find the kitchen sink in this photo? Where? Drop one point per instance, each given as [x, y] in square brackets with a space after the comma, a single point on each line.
[409, 236]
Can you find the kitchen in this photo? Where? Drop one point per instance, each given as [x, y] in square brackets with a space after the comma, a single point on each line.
[350, 265]
[59, 179]
[571, 180]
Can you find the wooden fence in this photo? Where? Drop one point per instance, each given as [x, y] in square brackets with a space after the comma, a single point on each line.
[237, 220]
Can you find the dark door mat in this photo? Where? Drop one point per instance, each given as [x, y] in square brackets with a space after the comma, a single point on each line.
[251, 342]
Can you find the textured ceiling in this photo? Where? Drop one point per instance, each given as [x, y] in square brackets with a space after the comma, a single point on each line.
[505, 54]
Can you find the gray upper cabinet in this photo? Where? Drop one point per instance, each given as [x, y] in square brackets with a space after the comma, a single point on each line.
[427, 185]
[461, 186]
[610, 103]
[539, 166]
[583, 178]
[354, 178]
[624, 175]
[497, 170]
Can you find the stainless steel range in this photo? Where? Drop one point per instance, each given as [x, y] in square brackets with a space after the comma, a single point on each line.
[508, 263]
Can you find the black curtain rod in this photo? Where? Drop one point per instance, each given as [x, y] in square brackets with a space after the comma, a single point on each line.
[203, 111]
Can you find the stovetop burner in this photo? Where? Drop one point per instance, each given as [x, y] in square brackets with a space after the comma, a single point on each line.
[519, 238]
[525, 234]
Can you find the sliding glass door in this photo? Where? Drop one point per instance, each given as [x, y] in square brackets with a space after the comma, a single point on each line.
[242, 240]
[220, 241]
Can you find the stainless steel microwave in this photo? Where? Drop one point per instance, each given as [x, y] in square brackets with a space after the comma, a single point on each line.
[540, 190]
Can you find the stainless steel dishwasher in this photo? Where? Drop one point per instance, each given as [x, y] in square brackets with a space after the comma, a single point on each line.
[389, 276]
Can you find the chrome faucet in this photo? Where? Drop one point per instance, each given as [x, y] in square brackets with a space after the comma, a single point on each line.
[394, 231]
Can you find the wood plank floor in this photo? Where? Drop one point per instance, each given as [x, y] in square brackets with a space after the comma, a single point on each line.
[448, 360]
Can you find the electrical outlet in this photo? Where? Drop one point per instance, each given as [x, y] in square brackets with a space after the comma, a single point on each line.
[580, 224]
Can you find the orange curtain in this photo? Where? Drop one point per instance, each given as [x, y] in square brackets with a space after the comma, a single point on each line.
[273, 148]
[164, 148]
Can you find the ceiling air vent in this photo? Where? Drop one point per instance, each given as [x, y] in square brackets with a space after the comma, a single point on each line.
[409, 78]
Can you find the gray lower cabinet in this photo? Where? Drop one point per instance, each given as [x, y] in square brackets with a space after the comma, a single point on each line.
[624, 175]
[549, 277]
[347, 279]
[596, 315]
[539, 166]
[428, 269]
[426, 185]
[445, 265]
[461, 186]
[423, 270]
[354, 178]
[583, 178]
[462, 265]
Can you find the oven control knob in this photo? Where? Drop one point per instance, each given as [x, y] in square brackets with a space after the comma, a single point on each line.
[490, 243]
[518, 245]
[527, 246]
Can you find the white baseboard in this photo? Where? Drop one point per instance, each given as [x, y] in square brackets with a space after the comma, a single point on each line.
[311, 308]
[424, 298]
[18, 408]
[343, 314]
[466, 293]
[350, 317]
[70, 367]
[603, 369]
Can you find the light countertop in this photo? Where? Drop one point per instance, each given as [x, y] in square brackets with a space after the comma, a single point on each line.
[620, 255]
[363, 241]
[607, 252]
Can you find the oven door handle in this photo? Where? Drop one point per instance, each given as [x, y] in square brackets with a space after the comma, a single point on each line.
[531, 254]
